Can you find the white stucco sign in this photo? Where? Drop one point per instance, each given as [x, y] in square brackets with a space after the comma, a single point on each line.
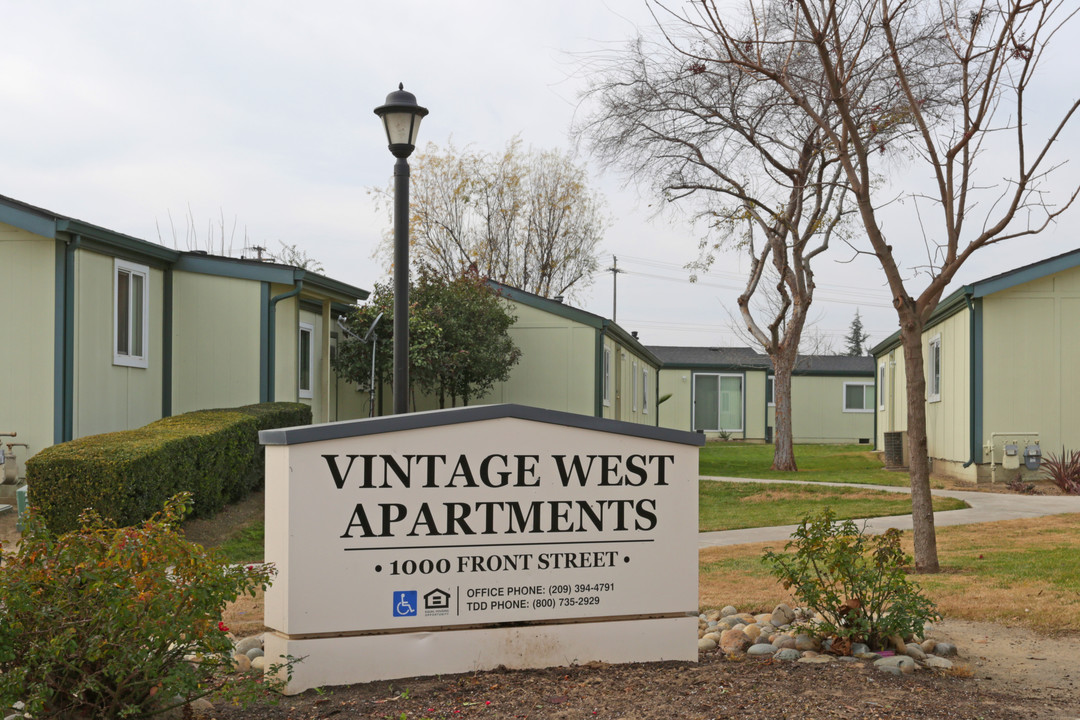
[420, 544]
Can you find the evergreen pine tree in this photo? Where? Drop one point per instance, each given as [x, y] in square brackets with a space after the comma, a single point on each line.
[856, 337]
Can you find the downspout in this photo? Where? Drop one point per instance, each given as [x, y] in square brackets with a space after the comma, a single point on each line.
[765, 428]
[599, 404]
[974, 368]
[272, 334]
[167, 342]
[64, 337]
[877, 399]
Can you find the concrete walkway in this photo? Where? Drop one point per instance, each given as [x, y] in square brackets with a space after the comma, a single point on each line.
[985, 507]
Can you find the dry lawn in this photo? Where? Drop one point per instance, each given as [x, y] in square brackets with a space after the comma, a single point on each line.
[1023, 573]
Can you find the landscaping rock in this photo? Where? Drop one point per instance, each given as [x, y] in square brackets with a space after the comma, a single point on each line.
[706, 645]
[858, 649]
[784, 641]
[782, 614]
[915, 652]
[806, 642]
[938, 663]
[762, 649]
[245, 644]
[201, 708]
[752, 631]
[815, 659]
[787, 654]
[896, 664]
[945, 649]
[241, 662]
[728, 610]
[254, 653]
[734, 641]
[259, 664]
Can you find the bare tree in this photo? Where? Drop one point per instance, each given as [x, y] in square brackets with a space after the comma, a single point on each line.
[942, 82]
[680, 115]
[526, 218]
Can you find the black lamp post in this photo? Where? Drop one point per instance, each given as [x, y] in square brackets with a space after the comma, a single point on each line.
[401, 117]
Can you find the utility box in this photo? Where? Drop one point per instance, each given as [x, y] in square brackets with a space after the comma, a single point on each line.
[896, 449]
[1010, 458]
[1032, 456]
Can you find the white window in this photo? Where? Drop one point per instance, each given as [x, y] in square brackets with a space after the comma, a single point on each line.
[645, 391]
[607, 376]
[933, 361]
[858, 397]
[881, 386]
[770, 400]
[131, 314]
[307, 358]
[633, 386]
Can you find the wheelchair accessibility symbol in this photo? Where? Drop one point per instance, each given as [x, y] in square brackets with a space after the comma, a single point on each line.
[404, 603]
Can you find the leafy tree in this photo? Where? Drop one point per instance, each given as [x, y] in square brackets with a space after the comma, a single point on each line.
[526, 218]
[940, 83]
[459, 345]
[856, 337]
[474, 349]
[353, 359]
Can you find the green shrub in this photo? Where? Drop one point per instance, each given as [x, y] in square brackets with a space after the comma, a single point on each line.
[856, 581]
[1063, 470]
[126, 476]
[97, 623]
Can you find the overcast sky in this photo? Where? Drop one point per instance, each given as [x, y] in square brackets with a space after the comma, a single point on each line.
[124, 113]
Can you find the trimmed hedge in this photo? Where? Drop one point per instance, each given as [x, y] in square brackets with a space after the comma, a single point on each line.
[128, 476]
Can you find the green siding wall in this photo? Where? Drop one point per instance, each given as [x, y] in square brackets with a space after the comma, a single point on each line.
[27, 304]
[110, 397]
[286, 324]
[817, 411]
[215, 342]
[676, 411]
[1031, 352]
[892, 397]
[557, 366]
[948, 420]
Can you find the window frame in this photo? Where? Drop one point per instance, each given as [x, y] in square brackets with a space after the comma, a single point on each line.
[933, 369]
[307, 393]
[644, 390]
[864, 408]
[719, 394]
[606, 381]
[881, 385]
[633, 386]
[770, 390]
[123, 356]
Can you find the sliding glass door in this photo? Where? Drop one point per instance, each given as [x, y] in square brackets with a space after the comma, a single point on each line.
[718, 402]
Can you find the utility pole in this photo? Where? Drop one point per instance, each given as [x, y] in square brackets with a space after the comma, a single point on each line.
[614, 270]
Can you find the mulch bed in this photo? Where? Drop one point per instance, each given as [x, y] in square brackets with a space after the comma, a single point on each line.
[715, 687]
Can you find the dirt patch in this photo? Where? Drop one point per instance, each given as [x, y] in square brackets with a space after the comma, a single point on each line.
[211, 532]
[999, 686]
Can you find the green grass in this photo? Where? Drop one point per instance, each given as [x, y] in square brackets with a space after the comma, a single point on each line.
[820, 463]
[245, 545]
[732, 506]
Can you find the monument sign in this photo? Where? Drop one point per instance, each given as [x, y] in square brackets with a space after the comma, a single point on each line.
[466, 539]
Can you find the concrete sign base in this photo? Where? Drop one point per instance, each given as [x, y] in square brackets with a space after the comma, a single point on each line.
[347, 660]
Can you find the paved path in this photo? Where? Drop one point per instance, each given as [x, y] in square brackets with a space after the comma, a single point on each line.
[985, 507]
